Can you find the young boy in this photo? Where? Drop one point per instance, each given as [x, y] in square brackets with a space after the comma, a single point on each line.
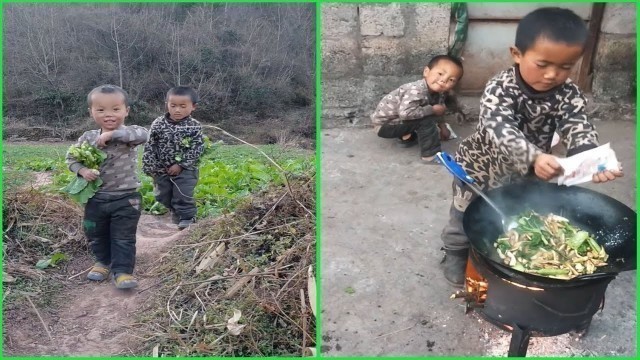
[520, 110]
[172, 154]
[111, 215]
[410, 112]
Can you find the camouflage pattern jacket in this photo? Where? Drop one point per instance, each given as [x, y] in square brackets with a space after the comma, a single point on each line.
[517, 123]
[410, 101]
[119, 171]
[172, 142]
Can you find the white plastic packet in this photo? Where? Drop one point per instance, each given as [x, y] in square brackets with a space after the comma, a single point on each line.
[580, 168]
[453, 135]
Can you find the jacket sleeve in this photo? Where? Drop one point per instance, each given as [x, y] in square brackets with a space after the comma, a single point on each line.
[149, 155]
[499, 127]
[578, 134]
[132, 135]
[193, 153]
[414, 105]
[73, 164]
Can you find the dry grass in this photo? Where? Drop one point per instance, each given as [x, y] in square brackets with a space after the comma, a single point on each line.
[36, 225]
[254, 260]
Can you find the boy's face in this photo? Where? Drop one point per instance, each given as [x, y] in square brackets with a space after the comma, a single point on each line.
[179, 106]
[108, 110]
[547, 63]
[443, 77]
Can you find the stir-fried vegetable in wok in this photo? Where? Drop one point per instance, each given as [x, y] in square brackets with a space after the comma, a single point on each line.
[550, 246]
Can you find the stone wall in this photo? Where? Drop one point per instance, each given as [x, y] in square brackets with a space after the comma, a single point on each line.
[614, 64]
[369, 50]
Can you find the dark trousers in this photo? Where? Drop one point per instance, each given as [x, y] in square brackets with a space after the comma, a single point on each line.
[426, 129]
[110, 224]
[176, 193]
[453, 235]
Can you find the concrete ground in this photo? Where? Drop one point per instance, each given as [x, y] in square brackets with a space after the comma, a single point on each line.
[382, 289]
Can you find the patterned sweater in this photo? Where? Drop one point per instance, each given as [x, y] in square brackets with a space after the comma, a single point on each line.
[172, 142]
[517, 123]
[410, 101]
[118, 171]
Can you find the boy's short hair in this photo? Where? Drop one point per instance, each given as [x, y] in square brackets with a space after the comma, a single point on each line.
[553, 23]
[108, 89]
[436, 59]
[183, 91]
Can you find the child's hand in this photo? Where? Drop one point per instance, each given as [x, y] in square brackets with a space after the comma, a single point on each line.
[88, 174]
[174, 170]
[445, 134]
[546, 167]
[439, 109]
[608, 175]
[104, 138]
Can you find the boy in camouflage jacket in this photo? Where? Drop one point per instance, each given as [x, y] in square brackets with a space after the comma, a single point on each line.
[520, 110]
[412, 112]
[172, 155]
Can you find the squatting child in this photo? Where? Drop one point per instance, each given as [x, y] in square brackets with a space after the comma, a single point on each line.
[520, 110]
[111, 215]
[412, 112]
[172, 155]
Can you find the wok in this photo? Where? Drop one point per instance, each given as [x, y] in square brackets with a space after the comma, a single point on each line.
[612, 224]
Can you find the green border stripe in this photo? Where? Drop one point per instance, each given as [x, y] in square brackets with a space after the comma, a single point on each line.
[318, 271]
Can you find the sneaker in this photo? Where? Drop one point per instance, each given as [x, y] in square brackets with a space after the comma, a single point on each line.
[412, 140]
[185, 223]
[454, 265]
[98, 272]
[124, 281]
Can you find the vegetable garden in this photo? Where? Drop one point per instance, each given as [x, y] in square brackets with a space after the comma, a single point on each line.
[255, 219]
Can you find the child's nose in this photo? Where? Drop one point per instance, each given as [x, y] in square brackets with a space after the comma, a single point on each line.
[550, 74]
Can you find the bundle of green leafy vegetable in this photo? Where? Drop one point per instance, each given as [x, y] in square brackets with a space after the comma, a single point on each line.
[550, 246]
[80, 189]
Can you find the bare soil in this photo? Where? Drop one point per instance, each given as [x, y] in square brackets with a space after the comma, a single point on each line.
[92, 318]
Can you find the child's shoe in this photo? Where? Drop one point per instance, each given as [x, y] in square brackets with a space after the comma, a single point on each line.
[124, 281]
[409, 142]
[454, 265]
[185, 223]
[98, 272]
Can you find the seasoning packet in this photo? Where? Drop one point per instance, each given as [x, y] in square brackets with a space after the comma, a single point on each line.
[580, 168]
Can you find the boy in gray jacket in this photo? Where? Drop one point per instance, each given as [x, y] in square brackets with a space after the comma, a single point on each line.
[111, 215]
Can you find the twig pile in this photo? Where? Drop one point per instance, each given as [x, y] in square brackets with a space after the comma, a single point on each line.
[37, 224]
[255, 260]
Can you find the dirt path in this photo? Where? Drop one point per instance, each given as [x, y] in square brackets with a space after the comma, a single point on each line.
[383, 291]
[93, 318]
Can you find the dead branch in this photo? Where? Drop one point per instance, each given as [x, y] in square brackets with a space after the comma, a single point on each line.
[44, 325]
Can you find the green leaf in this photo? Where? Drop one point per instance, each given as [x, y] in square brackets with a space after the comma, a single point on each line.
[576, 240]
[76, 185]
[349, 290]
[57, 257]
[43, 264]
[87, 193]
